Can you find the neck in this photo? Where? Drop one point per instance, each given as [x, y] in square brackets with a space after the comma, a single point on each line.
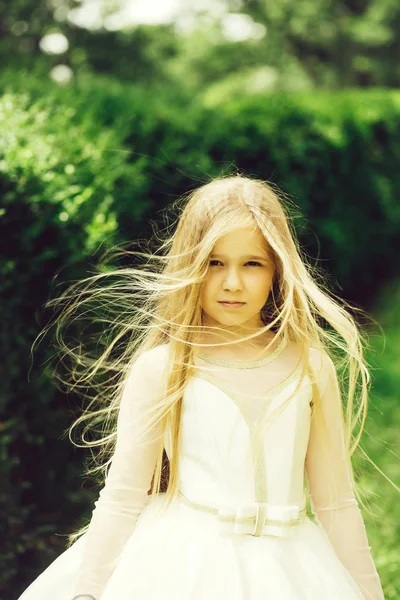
[227, 334]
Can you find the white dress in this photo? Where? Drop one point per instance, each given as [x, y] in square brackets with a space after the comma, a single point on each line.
[187, 553]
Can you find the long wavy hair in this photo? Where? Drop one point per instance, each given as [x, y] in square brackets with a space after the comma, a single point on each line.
[133, 309]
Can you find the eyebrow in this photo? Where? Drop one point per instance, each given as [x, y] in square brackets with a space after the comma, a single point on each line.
[242, 257]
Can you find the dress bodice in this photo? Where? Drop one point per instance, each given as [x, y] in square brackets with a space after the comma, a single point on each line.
[242, 438]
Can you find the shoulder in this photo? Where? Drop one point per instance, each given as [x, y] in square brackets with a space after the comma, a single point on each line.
[147, 371]
[322, 366]
[320, 359]
[157, 353]
[154, 360]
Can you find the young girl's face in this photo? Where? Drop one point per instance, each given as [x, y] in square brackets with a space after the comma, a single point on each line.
[241, 270]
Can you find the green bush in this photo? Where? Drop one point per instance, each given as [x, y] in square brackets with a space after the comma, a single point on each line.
[91, 164]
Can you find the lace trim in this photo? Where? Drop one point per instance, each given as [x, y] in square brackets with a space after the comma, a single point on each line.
[345, 504]
[243, 364]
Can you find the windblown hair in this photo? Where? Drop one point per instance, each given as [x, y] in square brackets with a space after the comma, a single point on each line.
[143, 307]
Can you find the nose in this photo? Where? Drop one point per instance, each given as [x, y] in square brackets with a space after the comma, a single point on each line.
[232, 281]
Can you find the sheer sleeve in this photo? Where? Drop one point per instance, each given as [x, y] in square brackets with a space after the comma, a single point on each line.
[128, 480]
[341, 518]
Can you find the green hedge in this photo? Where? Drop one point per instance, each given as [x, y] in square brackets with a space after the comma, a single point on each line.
[90, 165]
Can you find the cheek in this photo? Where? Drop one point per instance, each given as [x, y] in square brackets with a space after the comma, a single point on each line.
[206, 291]
[265, 284]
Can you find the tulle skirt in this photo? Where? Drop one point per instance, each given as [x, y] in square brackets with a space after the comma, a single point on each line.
[183, 555]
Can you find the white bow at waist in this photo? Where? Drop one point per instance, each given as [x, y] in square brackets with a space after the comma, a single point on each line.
[255, 518]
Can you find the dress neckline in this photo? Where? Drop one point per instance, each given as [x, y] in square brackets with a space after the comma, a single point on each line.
[244, 364]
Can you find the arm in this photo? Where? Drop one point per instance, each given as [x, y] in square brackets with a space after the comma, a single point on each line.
[124, 494]
[341, 518]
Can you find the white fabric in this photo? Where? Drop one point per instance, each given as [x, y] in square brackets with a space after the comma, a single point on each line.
[342, 520]
[184, 554]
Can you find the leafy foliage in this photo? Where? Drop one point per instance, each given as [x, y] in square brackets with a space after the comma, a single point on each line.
[93, 164]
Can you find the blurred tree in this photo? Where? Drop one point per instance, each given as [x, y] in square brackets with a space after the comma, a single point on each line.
[342, 43]
[140, 54]
[287, 44]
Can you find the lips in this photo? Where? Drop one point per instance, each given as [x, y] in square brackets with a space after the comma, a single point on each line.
[230, 302]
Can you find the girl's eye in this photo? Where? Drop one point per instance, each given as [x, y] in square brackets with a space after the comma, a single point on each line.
[253, 262]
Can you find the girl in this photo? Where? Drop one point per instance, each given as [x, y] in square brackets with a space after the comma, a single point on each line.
[230, 365]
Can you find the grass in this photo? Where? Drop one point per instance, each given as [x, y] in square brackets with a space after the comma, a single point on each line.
[381, 442]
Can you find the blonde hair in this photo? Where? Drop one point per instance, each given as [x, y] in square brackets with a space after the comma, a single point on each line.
[144, 307]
